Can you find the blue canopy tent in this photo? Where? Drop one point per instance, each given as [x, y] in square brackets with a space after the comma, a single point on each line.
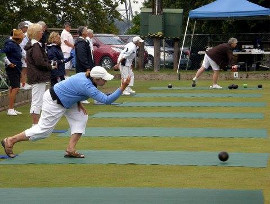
[225, 9]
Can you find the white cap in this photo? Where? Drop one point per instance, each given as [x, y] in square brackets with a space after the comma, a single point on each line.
[28, 23]
[137, 38]
[100, 72]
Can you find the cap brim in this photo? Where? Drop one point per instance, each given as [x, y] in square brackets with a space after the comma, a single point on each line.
[108, 77]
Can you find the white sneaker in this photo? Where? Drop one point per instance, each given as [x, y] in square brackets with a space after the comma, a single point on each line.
[17, 112]
[26, 86]
[128, 89]
[132, 91]
[85, 102]
[194, 81]
[216, 86]
[11, 112]
[126, 93]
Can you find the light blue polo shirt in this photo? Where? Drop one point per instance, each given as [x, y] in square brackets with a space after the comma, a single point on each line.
[79, 88]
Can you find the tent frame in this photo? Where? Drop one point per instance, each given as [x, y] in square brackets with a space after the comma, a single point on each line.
[265, 15]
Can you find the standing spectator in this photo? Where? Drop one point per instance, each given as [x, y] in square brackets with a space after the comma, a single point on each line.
[67, 44]
[55, 54]
[218, 58]
[125, 61]
[45, 35]
[24, 26]
[13, 53]
[39, 69]
[90, 35]
[64, 99]
[84, 60]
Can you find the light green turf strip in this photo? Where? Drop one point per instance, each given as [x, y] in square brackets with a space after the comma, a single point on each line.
[194, 104]
[200, 88]
[129, 195]
[141, 157]
[178, 115]
[196, 95]
[172, 132]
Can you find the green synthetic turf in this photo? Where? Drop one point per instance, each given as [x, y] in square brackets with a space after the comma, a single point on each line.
[201, 88]
[193, 104]
[196, 95]
[130, 195]
[141, 157]
[178, 115]
[172, 132]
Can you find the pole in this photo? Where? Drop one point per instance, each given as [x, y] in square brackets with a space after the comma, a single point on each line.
[181, 51]
[157, 10]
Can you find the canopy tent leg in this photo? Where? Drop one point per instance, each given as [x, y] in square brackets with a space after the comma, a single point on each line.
[181, 51]
[190, 47]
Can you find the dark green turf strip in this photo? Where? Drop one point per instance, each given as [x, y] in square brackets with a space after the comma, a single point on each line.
[173, 132]
[140, 157]
[178, 115]
[129, 195]
[197, 95]
[193, 104]
[201, 88]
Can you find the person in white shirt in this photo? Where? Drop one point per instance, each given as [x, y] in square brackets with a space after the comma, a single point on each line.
[125, 60]
[90, 35]
[24, 27]
[67, 44]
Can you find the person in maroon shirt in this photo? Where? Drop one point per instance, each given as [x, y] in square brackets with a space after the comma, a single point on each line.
[218, 58]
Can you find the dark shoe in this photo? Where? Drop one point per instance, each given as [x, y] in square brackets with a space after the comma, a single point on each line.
[73, 155]
[8, 150]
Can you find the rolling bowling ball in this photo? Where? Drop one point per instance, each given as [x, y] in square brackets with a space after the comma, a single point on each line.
[169, 86]
[231, 86]
[223, 156]
[259, 86]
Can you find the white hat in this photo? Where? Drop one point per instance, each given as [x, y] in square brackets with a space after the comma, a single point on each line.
[27, 23]
[100, 72]
[137, 38]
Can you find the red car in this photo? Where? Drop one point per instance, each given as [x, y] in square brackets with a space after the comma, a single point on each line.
[107, 48]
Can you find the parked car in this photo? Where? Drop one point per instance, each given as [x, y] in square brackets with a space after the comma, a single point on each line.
[107, 48]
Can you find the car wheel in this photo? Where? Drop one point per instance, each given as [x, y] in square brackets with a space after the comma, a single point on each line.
[150, 62]
[106, 62]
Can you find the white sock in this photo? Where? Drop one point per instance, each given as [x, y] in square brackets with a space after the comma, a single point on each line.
[194, 79]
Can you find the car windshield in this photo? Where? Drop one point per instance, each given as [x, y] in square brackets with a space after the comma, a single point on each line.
[110, 40]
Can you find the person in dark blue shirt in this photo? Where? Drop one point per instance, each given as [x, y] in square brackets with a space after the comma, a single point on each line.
[13, 52]
[84, 60]
[56, 56]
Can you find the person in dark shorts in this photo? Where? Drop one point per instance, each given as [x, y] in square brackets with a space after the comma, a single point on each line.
[13, 53]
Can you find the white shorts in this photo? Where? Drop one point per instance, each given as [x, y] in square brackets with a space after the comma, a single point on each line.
[37, 97]
[51, 114]
[207, 61]
[68, 65]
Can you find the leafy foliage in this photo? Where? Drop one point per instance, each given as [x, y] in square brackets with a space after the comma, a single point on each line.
[96, 14]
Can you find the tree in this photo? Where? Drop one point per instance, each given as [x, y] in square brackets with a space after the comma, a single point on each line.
[99, 15]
